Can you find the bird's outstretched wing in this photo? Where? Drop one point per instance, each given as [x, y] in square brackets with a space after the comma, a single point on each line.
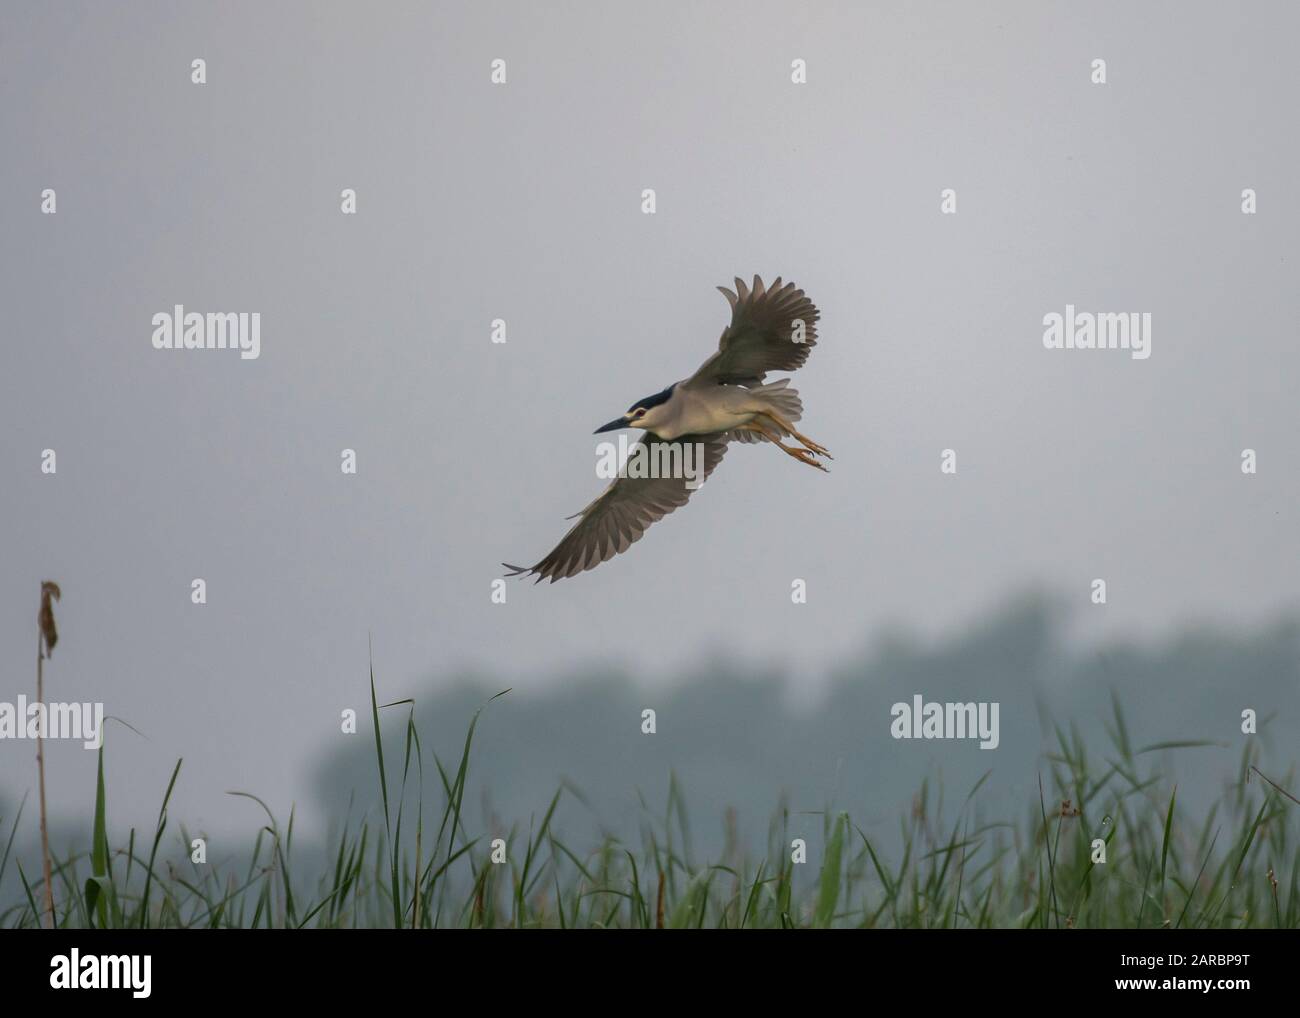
[624, 510]
[763, 336]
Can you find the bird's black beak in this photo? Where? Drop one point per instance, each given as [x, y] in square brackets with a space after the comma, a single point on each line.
[614, 425]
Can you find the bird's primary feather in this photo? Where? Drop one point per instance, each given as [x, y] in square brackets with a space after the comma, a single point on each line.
[622, 513]
[763, 336]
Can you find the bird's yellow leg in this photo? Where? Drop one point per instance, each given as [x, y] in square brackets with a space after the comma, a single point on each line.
[802, 455]
[789, 428]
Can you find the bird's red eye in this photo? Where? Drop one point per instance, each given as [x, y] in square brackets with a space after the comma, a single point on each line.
[640, 413]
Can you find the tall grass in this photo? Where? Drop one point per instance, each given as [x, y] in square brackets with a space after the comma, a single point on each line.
[47, 636]
[405, 867]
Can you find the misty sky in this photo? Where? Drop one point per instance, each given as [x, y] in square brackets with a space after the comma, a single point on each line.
[523, 202]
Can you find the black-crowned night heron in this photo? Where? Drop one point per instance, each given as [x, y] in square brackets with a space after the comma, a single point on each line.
[726, 400]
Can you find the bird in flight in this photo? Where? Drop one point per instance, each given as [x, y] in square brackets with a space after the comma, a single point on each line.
[772, 329]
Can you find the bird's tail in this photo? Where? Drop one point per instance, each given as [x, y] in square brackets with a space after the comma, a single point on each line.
[781, 399]
[777, 397]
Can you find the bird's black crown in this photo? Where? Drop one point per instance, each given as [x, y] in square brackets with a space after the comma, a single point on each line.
[655, 400]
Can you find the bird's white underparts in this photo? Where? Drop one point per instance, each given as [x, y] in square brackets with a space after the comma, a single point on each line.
[687, 427]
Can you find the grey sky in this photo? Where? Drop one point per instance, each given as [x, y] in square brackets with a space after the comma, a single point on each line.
[522, 202]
